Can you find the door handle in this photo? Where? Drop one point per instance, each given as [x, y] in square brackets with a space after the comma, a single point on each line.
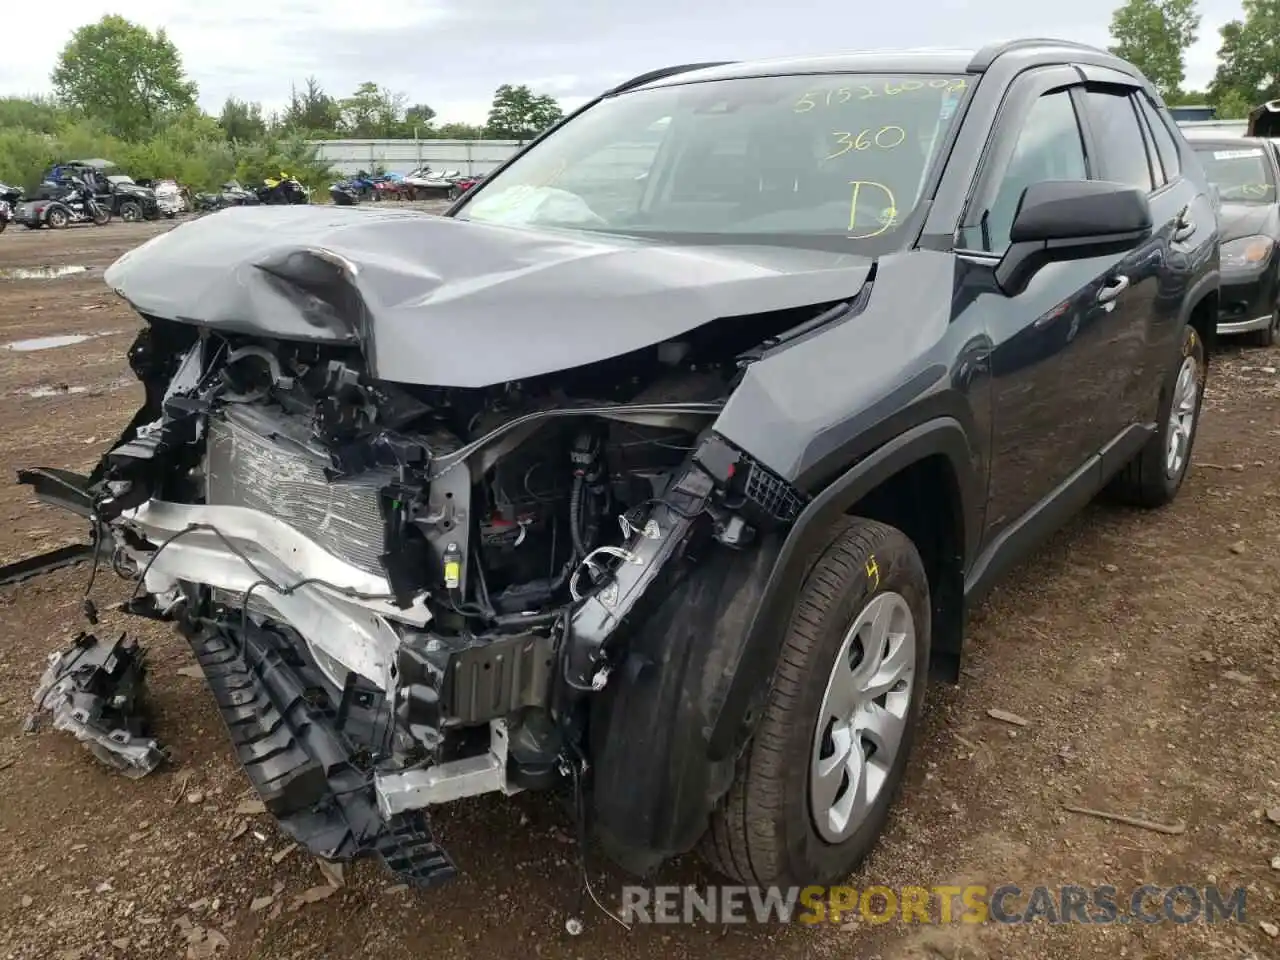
[1182, 230]
[1113, 288]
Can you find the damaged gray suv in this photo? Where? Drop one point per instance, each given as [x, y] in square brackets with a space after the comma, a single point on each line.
[662, 469]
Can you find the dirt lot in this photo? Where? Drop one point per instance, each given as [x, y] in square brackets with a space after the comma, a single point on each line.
[1141, 649]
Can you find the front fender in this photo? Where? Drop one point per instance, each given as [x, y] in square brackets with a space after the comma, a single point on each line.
[806, 540]
[667, 731]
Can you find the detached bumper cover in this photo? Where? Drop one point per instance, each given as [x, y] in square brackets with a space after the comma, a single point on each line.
[294, 750]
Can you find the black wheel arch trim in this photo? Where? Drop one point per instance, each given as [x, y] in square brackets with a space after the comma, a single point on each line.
[1209, 283]
[809, 535]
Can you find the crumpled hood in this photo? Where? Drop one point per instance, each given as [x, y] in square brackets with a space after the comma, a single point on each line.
[1236, 220]
[434, 300]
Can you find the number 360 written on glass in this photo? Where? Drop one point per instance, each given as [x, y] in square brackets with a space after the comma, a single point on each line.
[886, 138]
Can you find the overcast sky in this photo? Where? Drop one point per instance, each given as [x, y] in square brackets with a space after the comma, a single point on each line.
[451, 54]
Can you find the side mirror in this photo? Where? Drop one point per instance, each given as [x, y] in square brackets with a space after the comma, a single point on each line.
[1071, 220]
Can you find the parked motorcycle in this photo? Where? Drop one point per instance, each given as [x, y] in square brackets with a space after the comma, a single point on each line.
[344, 194]
[61, 204]
[284, 190]
[232, 194]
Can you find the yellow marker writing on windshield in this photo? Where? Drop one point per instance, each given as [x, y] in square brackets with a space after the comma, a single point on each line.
[886, 138]
[813, 99]
[888, 214]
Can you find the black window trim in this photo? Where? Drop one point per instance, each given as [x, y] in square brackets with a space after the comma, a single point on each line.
[1154, 109]
[1012, 113]
[1154, 160]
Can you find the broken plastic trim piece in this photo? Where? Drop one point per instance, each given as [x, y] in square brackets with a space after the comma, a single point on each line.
[299, 760]
[96, 691]
[47, 562]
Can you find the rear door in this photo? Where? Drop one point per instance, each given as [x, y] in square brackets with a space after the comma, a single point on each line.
[1056, 347]
[1144, 317]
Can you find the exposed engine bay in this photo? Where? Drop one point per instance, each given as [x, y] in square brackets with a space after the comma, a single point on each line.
[402, 595]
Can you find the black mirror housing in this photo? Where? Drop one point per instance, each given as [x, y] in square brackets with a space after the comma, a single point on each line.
[1071, 220]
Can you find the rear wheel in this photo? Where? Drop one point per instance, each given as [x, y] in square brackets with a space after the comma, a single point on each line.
[57, 218]
[814, 788]
[1155, 475]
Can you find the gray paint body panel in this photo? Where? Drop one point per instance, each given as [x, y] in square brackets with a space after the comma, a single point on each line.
[444, 302]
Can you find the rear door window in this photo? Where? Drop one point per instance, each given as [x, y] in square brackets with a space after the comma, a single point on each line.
[1119, 139]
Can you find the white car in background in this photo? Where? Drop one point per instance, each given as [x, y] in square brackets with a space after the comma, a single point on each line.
[170, 198]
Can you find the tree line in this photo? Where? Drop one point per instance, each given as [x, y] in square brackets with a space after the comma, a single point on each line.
[120, 91]
[1155, 35]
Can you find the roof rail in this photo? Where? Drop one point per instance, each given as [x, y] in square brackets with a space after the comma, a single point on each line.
[663, 73]
[984, 57]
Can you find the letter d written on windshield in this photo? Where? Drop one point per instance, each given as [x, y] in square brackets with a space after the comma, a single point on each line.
[869, 194]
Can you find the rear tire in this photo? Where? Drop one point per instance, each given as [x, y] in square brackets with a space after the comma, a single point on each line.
[1154, 476]
[57, 218]
[779, 824]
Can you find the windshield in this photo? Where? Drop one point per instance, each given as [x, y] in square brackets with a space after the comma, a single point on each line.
[1241, 174]
[834, 156]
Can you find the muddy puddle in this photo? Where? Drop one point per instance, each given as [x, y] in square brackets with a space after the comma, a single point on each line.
[41, 273]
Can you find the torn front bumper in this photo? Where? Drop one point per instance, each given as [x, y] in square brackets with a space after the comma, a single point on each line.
[299, 751]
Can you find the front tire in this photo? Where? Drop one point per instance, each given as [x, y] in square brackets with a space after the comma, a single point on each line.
[131, 211]
[1267, 337]
[814, 788]
[1154, 476]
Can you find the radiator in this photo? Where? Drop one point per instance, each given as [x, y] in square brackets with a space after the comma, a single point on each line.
[263, 460]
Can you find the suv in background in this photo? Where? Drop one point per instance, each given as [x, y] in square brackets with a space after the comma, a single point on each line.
[666, 466]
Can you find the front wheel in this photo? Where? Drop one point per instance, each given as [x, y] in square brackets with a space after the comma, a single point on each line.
[814, 787]
[1267, 337]
[1155, 475]
[101, 217]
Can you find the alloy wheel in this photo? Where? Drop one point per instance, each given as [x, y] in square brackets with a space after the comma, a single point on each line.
[1182, 416]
